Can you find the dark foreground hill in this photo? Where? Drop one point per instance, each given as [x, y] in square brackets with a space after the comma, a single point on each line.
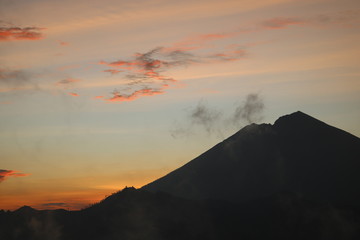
[296, 179]
[298, 154]
[140, 215]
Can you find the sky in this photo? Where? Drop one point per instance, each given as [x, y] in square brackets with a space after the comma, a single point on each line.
[99, 95]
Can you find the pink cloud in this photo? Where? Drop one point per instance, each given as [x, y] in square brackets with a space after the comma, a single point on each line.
[197, 42]
[118, 97]
[73, 94]
[149, 68]
[4, 174]
[64, 43]
[281, 22]
[17, 33]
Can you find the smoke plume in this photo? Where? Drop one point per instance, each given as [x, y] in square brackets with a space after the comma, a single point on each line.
[249, 111]
[205, 116]
[217, 122]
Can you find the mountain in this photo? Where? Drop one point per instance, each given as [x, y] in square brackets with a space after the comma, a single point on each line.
[296, 179]
[129, 214]
[297, 154]
[136, 214]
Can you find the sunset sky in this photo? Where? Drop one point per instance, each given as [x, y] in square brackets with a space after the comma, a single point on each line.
[99, 95]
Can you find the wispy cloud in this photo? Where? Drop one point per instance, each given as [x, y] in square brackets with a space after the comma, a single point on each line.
[281, 22]
[74, 94]
[150, 68]
[112, 71]
[54, 205]
[348, 18]
[67, 81]
[17, 33]
[118, 97]
[16, 80]
[198, 41]
[4, 174]
[62, 43]
[145, 73]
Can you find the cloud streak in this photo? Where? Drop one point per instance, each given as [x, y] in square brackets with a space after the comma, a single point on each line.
[146, 73]
[4, 174]
[150, 68]
[281, 22]
[54, 205]
[18, 33]
[67, 81]
[118, 97]
[74, 94]
[16, 80]
[62, 43]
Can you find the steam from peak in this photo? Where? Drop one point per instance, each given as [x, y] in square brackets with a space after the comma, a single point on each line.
[214, 121]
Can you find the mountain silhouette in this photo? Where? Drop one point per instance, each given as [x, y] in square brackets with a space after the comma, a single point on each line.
[129, 214]
[297, 154]
[296, 179]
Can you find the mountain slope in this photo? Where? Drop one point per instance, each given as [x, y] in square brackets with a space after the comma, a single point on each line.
[297, 154]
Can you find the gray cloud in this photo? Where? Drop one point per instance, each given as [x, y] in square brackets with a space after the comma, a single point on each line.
[149, 68]
[16, 80]
[205, 116]
[216, 122]
[249, 111]
[11, 33]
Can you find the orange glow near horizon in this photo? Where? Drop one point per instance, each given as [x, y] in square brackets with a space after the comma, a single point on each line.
[83, 191]
[88, 103]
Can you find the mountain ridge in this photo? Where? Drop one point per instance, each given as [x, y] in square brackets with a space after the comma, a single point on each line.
[297, 153]
[296, 179]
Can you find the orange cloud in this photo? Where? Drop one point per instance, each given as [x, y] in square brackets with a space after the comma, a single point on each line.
[281, 22]
[4, 174]
[147, 69]
[64, 43]
[117, 97]
[229, 55]
[17, 33]
[73, 94]
[197, 42]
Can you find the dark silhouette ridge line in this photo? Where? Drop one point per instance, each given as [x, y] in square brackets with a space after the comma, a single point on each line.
[298, 153]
